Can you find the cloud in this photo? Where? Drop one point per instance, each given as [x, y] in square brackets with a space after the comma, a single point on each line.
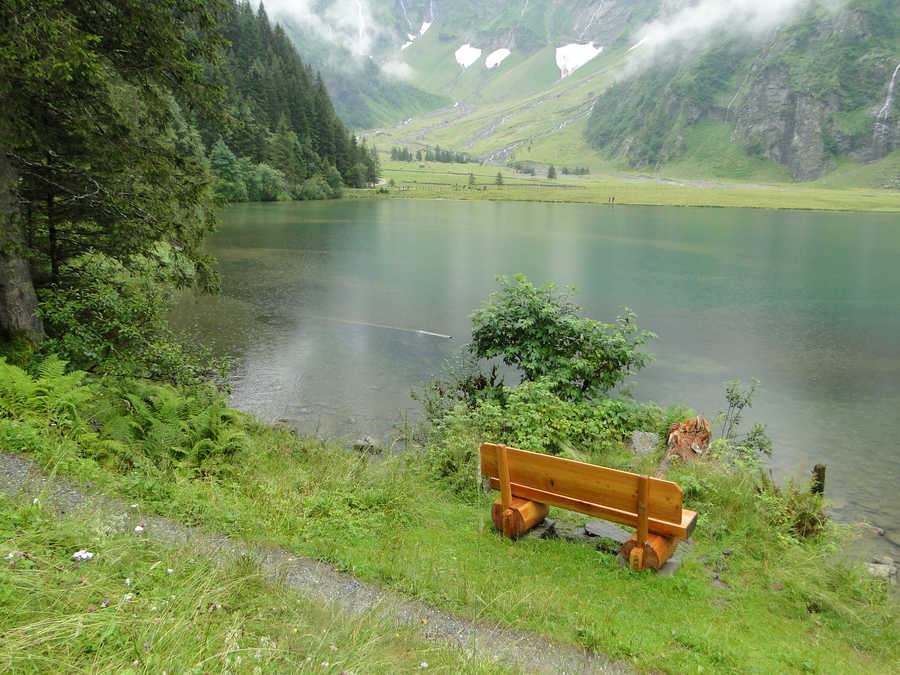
[697, 25]
[399, 70]
[347, 23]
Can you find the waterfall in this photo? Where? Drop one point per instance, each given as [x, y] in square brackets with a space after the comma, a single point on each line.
[881, 132]
[405, 13]
[360, 26]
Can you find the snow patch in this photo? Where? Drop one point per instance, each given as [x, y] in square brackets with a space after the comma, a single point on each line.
[495, 58]
[466, 55]
[573, 55]
[425, 26]
[410, 36]
[637, 45]
[405, 45]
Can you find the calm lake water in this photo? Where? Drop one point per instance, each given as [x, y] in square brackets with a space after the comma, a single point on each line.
[321, 302]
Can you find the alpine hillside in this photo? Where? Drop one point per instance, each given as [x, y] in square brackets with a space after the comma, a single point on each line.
[788, 90]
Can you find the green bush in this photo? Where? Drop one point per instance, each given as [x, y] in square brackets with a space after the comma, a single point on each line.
[120, 423]
[314, 187]
[106, 318]
[538, 331]
[532, 417]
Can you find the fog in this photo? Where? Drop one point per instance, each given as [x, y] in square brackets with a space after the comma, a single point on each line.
[709, 21]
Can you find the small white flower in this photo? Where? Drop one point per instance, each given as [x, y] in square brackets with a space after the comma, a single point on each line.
[34, 501]
[138, 529]
[128, 596]
[332, 648]
[135, 662]
[324, 664]
[169, 571]
[13, 555]
[128, 582]
[82, 555]
[423, 665]
[134, 506]
[153, 609]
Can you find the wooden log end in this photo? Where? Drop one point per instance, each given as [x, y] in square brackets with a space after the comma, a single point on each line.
[656, 550]
[520, 517]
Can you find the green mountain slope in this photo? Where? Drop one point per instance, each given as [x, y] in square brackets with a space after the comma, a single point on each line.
[804, 95]
[804, 92]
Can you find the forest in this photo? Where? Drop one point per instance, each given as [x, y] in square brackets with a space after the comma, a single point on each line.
[128, 125]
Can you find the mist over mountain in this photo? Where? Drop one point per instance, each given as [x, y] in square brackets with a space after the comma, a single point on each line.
[801, 83]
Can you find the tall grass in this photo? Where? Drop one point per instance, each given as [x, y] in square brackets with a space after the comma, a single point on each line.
[138, 607]
[750, 596]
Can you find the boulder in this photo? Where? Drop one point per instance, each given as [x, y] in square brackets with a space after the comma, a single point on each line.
[883, 567]
[367, 444]
[643, 443]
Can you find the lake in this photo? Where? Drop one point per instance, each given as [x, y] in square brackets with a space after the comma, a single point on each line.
[322, 302]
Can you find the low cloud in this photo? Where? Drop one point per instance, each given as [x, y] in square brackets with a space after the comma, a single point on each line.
[700, 24]
[345, 23]
[399, 70]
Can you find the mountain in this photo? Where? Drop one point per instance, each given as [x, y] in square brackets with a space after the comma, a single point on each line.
[784, 90]
[803, 94]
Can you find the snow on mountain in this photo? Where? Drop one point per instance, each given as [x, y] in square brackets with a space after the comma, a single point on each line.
[495, 58]
[466, 55]
[572, 56]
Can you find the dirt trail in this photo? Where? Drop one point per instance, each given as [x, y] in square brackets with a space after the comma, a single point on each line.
[517, 649]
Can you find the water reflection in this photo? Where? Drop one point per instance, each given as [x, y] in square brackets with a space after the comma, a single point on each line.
[808, 303]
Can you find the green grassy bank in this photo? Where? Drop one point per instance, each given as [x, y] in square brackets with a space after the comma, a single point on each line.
[136, 606]
[750, 596]
[451, 181]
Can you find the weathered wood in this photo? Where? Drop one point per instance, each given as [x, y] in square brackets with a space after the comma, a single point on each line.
[653, 554]
[643, 499]
[818, 480]
[557, 482]
[18, 301]
[503, 474]
[519, 517]
[587, 483]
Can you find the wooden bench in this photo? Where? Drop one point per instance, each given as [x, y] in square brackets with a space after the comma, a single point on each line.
[530, 483]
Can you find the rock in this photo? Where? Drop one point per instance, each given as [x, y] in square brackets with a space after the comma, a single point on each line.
[367, 444]
[569, 531]
[883, 567]
[643, 443]
[602, 528]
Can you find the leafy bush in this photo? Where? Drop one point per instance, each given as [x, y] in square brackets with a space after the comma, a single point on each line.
[120, 423]
[532, 417]
[538, 331]
[106, 318]
[314, 187]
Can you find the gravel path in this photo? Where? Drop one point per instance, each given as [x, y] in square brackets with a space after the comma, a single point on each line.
[320, 582]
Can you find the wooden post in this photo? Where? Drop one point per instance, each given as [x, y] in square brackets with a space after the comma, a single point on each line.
[505, 491]
[636, 557]
[818, 480]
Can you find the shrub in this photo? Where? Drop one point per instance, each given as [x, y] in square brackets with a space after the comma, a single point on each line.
[107, 318]
[538, 331]
[314, 187]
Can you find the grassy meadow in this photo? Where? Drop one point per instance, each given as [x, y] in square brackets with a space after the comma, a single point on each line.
[749, 597]
[137, 606]
[451, 181]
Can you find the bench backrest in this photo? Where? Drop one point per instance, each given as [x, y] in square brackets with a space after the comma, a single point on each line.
[590, 489]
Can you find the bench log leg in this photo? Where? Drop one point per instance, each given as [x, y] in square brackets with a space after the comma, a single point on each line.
[653, 554]
[520, 517]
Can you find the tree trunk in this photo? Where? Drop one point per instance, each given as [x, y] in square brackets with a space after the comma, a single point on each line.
[18, 301]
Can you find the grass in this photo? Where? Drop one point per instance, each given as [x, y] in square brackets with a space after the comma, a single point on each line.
[785, 606]
[178, 611]
[449, 181]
